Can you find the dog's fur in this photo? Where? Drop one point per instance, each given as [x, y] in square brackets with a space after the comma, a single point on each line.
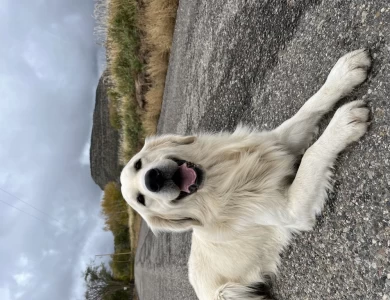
[251, 198]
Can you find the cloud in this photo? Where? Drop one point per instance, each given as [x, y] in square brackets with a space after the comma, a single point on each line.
[49, 252]
[23, 279]
[84, 157]
[19, 294]
[49, 71]
[23, 261]
[5, 293]
[97, 243]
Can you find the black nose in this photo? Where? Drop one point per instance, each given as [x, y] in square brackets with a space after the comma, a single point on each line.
[154, 180]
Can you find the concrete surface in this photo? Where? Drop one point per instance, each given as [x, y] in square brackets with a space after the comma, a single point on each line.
[257, 62]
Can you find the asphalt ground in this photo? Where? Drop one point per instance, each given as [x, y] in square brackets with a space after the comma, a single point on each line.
[257, 62]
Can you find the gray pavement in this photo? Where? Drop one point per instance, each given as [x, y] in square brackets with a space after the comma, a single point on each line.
[257, 62]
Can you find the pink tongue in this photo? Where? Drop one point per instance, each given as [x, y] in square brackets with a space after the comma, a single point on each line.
[188, 177]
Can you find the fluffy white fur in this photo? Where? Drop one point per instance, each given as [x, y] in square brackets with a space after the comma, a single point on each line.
[252, 198]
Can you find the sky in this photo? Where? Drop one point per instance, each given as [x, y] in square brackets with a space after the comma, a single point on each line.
[50, 64]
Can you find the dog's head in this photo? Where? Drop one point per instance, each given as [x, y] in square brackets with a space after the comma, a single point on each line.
[161, 183]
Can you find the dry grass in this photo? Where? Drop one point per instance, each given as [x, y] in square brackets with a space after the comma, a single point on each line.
[131, 134]
[158, 23]
[157, 26]
[116, 216]
[135, 226]
[138, 38]
[118, 23]
[137, 35]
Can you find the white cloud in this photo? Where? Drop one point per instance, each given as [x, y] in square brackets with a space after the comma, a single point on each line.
[23, 279]
[23, 261]
[5, 293]
[48, 78]
[84, 157]
[33, 61]
[50, 252]
[72, 19]
[19, 294]
[81, 217]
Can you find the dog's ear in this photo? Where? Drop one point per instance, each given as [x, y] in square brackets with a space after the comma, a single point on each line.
[160, 141]
[158, 223]
[183, 139]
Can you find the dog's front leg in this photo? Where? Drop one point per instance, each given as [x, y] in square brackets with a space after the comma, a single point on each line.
[349, 71]
[307, 193]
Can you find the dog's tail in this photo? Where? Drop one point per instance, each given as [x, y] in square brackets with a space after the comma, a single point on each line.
[236, 291]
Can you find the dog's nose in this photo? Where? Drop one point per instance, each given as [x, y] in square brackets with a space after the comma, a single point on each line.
[154, 180]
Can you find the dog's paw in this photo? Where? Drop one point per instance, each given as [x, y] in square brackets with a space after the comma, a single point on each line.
[349, 124]
[349, 71]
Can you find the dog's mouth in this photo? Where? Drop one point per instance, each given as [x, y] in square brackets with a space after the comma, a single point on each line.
[188, 178]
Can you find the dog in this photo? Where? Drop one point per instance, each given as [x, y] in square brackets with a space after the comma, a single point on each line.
[241, 194]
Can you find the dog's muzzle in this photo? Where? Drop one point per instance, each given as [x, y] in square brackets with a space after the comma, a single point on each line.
[187, 177]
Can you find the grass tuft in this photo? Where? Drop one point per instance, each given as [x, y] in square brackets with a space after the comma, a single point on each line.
[138, 39]
[137, 35]
[158, 23]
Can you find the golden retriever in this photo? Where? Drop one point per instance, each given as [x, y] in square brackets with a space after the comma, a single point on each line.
[240, 193]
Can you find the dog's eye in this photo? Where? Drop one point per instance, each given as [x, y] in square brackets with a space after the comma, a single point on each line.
[141, 199]
[138, 165]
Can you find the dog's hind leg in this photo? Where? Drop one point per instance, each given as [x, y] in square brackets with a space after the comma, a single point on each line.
[307, 193]
[349, 71]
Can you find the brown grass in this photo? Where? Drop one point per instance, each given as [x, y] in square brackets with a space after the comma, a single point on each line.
[138, 38]
[124, 64]
[138, 42]
[158, 23]
[135, 226]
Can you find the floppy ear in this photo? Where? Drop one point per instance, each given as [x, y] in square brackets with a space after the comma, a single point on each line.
[157, 141]
[158, 223]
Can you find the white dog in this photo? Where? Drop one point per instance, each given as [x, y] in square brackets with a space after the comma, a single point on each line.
[240, 193]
